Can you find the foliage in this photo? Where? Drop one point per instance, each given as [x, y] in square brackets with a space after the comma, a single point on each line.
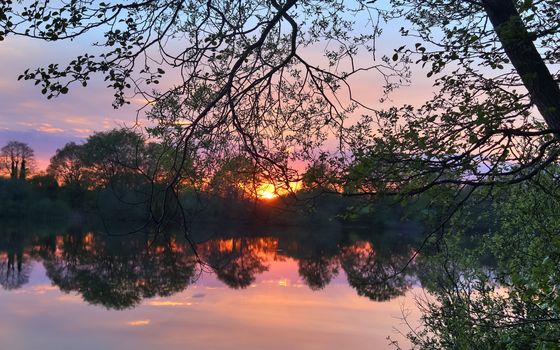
[67, 166]
[21, 201]
[503, 291]
[241, 79]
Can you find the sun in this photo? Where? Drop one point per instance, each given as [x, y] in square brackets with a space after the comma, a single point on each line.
[266, 191]
[267, 195]
[269, 191]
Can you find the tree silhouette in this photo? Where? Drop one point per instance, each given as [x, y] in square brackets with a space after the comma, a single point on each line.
[16, 159]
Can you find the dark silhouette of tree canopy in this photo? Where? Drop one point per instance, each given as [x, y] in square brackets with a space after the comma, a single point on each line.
[17, 158]
[67, 165]
[242, 78]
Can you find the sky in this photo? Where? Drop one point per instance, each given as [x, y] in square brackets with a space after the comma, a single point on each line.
[27, 116]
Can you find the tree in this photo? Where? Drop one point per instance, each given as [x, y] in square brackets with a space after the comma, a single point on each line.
[238, 56]
[495, 289]
[236, 179]
[245, 77]
[67, 166]
[110, 153]
[17, 158]
[371, 275]
[481, 127]
[318, 271]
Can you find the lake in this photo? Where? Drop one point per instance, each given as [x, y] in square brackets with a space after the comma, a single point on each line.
[318, 287]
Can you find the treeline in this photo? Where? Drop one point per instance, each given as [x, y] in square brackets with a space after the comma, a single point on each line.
[123, 175]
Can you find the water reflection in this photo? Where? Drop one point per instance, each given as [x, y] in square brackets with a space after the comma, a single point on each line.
[374, 275]
[119, 272]
[15, 266]
[236, 261]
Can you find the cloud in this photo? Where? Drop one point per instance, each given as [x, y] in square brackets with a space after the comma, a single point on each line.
[24, 107]
[49, 128]
[83, 131]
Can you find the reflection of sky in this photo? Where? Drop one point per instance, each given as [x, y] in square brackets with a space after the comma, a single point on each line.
[277, 312]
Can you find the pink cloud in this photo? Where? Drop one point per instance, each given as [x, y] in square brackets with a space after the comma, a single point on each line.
[49, 128]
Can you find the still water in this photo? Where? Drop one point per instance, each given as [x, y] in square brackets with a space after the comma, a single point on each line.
[296, 289]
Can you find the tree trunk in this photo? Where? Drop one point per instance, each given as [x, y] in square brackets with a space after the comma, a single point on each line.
[14, 170]
[521, 51]
[23, 171]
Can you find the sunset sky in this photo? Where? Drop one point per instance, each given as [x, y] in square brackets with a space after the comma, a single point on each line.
[27, 116]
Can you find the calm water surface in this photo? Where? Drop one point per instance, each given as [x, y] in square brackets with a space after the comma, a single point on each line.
[310, 290]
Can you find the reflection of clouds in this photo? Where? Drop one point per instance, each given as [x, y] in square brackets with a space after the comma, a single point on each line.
[43, 288]
[36, 290]
[214, 288]
[266, 316]
[138, 323]
[69, 298]
[283, 282]
[169, 303]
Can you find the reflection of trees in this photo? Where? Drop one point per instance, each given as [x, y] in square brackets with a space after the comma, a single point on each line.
[119, 273]
[237, 261]
[318, 271]
[119, 277]
[15, 267]
[14, 270]
[371, 275]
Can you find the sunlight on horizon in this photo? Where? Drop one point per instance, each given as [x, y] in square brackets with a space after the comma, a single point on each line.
[269, 191]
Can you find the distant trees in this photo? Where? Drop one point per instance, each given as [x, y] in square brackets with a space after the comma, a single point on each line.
[67, 165]
[16, 159]
[104, 156]
[124, 159]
